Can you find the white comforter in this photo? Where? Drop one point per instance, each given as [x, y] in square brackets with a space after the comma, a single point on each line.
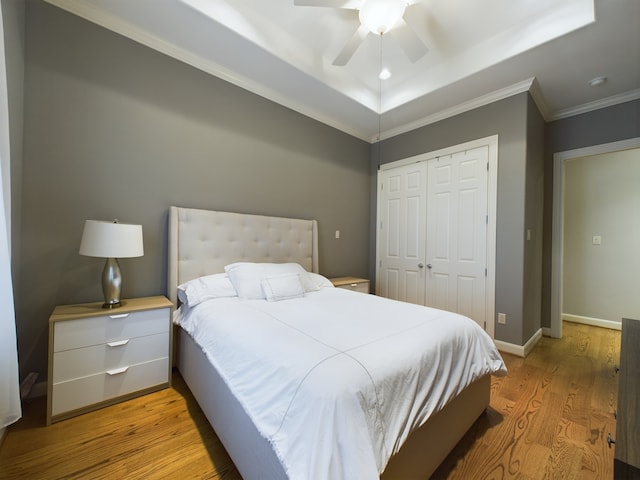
[337, 380]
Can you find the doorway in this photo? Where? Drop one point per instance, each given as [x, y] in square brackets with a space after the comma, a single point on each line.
[558, 235]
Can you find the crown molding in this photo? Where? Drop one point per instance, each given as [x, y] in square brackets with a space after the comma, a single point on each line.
[598, 104]
[481, 101]
[539, 100]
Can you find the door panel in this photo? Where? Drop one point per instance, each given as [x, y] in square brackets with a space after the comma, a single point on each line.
[456, 233]
[441, 224]
[401, 240]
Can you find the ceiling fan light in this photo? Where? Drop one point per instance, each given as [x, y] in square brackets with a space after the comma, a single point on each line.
[384, 74]
[379, 16]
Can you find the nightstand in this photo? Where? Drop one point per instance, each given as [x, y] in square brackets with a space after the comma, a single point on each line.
[98, 357]
[351, 283]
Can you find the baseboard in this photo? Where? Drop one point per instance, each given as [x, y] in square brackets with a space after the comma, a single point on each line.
[596, 322]
[519, 350]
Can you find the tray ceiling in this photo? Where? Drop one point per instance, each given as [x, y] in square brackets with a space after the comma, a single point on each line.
[478, 52]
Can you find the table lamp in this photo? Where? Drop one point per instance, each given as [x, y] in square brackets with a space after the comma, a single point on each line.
[111, 240]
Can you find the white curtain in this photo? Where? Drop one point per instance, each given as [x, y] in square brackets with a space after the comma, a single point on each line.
[10, 409]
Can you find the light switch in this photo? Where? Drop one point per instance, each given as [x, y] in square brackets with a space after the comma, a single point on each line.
[337, 233]
[596, 240]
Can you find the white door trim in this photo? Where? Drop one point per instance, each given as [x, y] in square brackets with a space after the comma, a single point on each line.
[492, 196]
[557, 227]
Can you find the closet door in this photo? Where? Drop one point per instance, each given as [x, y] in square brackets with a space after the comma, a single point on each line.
[432, 232]
[456, 233]
[402, 217]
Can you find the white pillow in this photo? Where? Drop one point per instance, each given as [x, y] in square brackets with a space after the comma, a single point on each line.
[319, 281]
[247, 277]
[282, 287]
[204, 288]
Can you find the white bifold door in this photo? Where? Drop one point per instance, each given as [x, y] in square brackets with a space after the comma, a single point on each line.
[432, 232]
[402, 219]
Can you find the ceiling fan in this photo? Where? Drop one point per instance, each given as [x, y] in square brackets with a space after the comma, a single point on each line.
[377, 17]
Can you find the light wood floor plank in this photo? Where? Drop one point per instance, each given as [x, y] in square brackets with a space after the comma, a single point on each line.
[549, 418]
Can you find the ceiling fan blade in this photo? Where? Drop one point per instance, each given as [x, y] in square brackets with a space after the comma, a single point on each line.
[409, 41]
[321, 3]
[350, 48]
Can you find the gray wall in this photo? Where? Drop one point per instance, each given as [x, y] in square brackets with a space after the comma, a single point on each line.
[116, 130]
[611, 124]
[533, 237]
[509, 119]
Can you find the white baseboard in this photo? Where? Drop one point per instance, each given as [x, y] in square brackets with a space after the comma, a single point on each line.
[519, 350]
[596, 322]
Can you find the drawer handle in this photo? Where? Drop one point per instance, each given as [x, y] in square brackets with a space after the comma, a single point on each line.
[119, 343]
[117, 371]
[122, 315]
[610, 440]
[354, 284]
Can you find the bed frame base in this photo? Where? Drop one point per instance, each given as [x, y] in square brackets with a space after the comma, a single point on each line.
[233, 426]
[420, 456]
[427, 447]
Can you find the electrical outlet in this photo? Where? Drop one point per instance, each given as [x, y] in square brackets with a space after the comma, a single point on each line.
[502, 318]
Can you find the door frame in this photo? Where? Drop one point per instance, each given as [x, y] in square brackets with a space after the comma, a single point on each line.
[492, 196]
[557, 226]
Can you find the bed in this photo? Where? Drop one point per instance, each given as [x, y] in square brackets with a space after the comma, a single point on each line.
[203, 244]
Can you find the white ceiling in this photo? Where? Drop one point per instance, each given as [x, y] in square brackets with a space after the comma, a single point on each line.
[479, 52]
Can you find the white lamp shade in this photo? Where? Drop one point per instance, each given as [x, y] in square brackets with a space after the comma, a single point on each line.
[379, 16]
[111, 240]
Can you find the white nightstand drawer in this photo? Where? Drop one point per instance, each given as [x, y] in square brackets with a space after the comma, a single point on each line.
[81, 392]
[352, 283]
[98, 357]
[82, 362]
[362, 287]
[109, 327]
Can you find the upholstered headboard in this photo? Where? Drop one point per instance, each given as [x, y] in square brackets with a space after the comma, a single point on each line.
[202, 242]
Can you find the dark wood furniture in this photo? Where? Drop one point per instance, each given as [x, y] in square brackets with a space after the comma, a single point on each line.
[627, 442]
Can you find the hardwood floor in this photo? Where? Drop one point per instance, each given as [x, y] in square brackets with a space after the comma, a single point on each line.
[549, 418]
[163, 435]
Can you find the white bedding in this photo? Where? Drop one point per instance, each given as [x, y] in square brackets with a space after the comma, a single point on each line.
[337, 380]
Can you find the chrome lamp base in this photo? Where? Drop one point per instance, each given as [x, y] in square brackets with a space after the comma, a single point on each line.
[111, 283]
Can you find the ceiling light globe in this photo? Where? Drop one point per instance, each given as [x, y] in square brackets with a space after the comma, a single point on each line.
[379, 16]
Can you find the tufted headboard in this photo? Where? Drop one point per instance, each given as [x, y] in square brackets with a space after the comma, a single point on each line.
[202, 242]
